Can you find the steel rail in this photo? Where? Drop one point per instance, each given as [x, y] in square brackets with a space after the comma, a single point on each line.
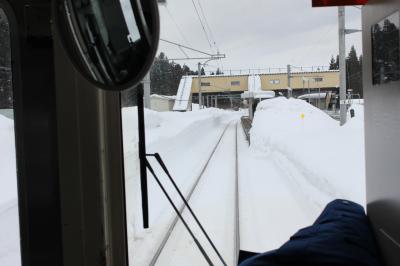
[200, 247]
[237, 206]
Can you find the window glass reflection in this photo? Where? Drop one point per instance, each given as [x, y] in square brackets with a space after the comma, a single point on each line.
[134, 34]
[385, 49]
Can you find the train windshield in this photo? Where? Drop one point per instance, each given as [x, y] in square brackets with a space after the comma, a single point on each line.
[243, 131]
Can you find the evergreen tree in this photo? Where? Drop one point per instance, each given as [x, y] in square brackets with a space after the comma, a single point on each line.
[165, 75]
[337, 62]
[6, 97]
[332, 64]
[353, 70]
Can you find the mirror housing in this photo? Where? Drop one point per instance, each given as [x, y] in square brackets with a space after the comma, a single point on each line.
[112, 43]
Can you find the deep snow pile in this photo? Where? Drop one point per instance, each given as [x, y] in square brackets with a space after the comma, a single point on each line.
[9, 229]
[183, 139]
[329, 158]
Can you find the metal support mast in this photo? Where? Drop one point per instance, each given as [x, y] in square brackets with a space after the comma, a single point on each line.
[199, 82]
[342, 65]
[289, 77]
[212, 57]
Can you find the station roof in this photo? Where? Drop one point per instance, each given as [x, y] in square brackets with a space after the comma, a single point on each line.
[263, 74]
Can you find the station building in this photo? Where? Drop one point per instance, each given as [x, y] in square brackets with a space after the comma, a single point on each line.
[225, 90]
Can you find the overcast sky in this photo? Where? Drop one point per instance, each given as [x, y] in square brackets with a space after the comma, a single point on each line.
[258, 33]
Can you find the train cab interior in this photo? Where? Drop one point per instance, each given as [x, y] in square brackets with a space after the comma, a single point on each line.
[72, 66]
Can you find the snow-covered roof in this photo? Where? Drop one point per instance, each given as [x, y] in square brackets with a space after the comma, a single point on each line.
[167, 97]
[265, 73]
[321, 95]
[258, 95]
[183, 95]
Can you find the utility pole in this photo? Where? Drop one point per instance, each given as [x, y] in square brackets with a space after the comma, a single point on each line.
[199, 80]
[289, 77]
[342, 65]
[250, 102]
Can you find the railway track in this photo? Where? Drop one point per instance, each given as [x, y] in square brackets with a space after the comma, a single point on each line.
[217, 260]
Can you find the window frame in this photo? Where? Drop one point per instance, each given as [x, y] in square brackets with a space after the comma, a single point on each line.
[274, 81]
[16, 77]
[235, 83]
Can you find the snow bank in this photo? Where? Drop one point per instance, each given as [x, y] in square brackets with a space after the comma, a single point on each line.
[325, 161]
[8, 177]
[9, 223]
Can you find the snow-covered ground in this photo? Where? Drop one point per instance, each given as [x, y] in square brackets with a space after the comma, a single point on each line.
[330, 157]
[9, 229]
[299, 159]
[214, 205]
[185, 141]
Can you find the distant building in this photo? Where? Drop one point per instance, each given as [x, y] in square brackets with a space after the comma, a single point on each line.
[161, 103]
[225, 90]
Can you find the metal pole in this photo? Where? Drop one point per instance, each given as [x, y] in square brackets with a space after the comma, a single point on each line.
[146, 88]
[142, 157]
[199, 79]
[342, 64]
[289, 81]
[319, 96]
[216, 102]
[251, 115]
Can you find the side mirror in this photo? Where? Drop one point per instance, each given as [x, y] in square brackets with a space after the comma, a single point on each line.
[111, 42]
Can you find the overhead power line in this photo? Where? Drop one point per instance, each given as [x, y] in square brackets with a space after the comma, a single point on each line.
[207, 25]
[201, 23]
[183, 51]
[210, 31]
[177, 26]
[186, 47]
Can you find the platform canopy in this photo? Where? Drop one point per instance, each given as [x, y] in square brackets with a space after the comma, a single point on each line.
[258, 95]
[322, 3]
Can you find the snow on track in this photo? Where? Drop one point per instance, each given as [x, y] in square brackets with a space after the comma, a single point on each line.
[270, 210]
[184, 169]
[214, 203]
